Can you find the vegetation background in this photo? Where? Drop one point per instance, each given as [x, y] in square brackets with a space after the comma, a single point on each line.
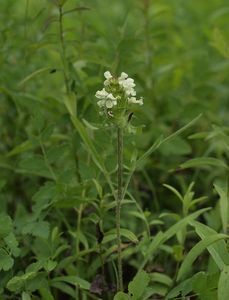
[57, 214]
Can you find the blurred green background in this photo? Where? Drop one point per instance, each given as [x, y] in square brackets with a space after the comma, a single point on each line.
[178, 53]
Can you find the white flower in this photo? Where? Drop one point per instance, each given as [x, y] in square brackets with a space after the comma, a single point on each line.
[122, 87]
[110, 101]
[108, 77]
[106, 99]
[123, 76]
[101, 103]
[101, 94]
[135, 101]
[127, 84]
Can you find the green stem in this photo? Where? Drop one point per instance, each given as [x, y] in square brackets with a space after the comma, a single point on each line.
[80, 210]
[63, 51]
[118, 206]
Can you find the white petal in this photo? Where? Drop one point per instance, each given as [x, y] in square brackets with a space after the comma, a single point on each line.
[140, 101]
[101, 103]
[130, 82]
[123, 76]
[135, 101]
[109, 104]
[111, 97]
[106, 82]
[108, 75]
[130, 91]
[101, 94]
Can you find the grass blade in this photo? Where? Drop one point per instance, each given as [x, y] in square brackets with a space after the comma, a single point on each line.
[218, 251]
[196, 251]
[161, 141]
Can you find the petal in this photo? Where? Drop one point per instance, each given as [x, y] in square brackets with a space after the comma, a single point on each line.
[109, 104]
[106, 82]
[123, 76]
[140, 101]
[101, 94]
[108, 75]
[111, 97]
[101, 103]
[135, 101]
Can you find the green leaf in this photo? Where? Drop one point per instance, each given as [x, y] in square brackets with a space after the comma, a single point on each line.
[34, 165]
[153, 148]
[46, 294]
[37, 282]
[35, 267]
[223, 285]
[113, 204]
[70, 103]
[201, 284]
[140, 215]
[88, 143]
[161, 278]
[25, 296]
[39, 229]
[177, 147]
[12, 243]
[6, 261]
[220, 43]
[172, 189]
[161, 141]
[155, 290]
[6, 225]
[121, 296]
[196, 251]
[161, 238]
[65, 288]
[98, 188]
[177, 290]
[44, 197]
[223, 203]
[218, 251]
[50, 265]
[31, 76]
[203, 162]
[75, 280]
[17, 283]
[178, 252]
[184, 288]
[111, 235]
[20, 148]
[138, 285]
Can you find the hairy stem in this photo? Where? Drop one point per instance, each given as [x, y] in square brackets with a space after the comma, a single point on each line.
[119, 199]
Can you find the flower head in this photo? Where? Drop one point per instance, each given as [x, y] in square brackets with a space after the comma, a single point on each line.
[117, 96]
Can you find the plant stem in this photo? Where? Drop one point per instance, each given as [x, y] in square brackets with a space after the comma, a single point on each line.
[80, 210]
[118, 206]
[63, 51]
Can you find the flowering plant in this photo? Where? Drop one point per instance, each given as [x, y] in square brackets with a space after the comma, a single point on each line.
[117, 96]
